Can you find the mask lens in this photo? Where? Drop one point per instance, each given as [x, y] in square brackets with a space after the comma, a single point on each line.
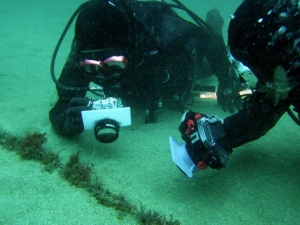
[115, 66]
[90, 69]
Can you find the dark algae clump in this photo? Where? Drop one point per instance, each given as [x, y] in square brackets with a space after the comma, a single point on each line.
[80, 175]
[31, 148]
[76, 173]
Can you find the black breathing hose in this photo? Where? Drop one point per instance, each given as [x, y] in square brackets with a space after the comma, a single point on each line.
[200, 22]
[52, 66]
[293, 116]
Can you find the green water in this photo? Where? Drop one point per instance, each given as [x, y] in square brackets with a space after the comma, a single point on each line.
[261, 184]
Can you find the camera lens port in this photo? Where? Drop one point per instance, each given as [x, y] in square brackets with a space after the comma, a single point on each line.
[107, 130]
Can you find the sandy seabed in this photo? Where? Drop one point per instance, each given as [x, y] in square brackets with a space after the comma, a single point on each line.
[261, 184]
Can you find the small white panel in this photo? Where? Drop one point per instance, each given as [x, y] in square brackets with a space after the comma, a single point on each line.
[121, 115]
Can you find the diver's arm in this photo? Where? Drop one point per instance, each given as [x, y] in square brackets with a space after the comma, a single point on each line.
[254, 120]
[209, 141]
[217, 57]
[71, 76]
[227, 93]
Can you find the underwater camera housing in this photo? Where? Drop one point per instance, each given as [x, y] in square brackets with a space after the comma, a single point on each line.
[106, 117]
[206, 147]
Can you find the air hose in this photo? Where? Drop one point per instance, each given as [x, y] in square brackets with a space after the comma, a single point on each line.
[54, 55]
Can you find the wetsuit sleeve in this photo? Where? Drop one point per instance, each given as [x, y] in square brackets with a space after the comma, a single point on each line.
[71, 76]
[254, 120]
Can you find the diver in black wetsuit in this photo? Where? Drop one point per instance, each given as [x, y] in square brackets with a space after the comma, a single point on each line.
[145, 51]
[265, 36]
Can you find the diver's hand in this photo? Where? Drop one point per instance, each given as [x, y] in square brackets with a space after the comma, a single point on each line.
[153, 111]
[74, 121]
[228, 96]
[151, 115]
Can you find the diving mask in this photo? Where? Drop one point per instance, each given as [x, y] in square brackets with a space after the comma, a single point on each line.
[109, 66]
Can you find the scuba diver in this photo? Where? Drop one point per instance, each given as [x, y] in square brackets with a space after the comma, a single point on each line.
[264, 35]
[215, 21]
[138, 51]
